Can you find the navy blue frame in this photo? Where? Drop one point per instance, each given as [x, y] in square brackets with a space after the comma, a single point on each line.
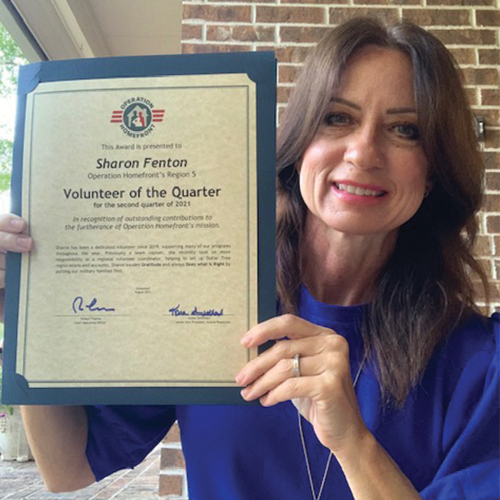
[260, 68]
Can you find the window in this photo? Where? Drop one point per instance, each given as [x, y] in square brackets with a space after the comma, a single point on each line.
[11, 58]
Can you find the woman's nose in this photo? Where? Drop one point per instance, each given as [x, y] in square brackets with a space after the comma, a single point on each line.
[363, 148]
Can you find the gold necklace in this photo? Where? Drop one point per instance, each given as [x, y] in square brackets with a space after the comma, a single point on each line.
[327, 467]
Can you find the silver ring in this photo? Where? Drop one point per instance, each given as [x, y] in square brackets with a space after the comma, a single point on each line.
[296, 367]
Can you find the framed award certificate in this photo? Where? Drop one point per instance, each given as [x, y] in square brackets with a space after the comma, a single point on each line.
[148, 188]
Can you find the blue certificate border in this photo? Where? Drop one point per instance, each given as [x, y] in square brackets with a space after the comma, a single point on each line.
[260, 68]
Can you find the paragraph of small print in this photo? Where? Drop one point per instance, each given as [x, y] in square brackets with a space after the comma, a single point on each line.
[101, 259]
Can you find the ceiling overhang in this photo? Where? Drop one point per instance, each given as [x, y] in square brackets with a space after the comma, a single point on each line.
[70, 29]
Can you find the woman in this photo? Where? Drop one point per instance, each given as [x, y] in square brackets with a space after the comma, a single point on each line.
[379, 183]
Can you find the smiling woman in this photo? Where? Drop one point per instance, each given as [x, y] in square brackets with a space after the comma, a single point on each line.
[389, 117]
[365, 171]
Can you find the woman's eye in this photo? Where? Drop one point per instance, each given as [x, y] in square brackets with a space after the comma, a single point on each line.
[337, 119]
[407, 131]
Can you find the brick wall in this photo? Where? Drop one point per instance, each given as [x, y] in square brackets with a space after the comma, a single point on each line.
[470, 28]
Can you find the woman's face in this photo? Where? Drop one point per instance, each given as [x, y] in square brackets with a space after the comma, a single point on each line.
[365, 171]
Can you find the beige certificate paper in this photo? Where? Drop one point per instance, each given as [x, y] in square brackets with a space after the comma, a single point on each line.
[140, 194]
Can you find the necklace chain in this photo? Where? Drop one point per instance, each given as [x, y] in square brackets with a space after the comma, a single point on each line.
[302, 438]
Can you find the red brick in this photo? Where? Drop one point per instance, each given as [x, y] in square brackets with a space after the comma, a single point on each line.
[296, 55]
[482, 246]
[204, 48]
[465, 36]
[488, 18]
[492, 203]
[486, 265]
[283, 94]
[481, 76]
[489, 56]
[387, 2]
[472, 96]
[218, 13]
[491, 160]
[493, 224]
[461, 2]
[287, 14]
[494, 291]
[436, 17]
[493, 182]
[288, 73]
[490, 97]
[492, 139]
[172, 458]
[496, 246]
[240, 33]
[464, 56]
[173, 435]
[267, 48]
[191, 31]
[301, 35]
[170, 484]
[341, 14]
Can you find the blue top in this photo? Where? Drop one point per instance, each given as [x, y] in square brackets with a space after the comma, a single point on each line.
[445, 439]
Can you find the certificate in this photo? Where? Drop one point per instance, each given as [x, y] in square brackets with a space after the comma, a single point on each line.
[149, 191]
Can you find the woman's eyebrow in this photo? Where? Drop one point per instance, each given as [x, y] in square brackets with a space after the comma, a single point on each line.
[390, 111]
[398, 111]
[346, 102]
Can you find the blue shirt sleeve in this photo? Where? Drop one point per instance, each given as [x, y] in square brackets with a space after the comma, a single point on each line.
[470, 469]
[122, 436]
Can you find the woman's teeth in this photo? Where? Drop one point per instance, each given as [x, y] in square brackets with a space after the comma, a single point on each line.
[358, 190]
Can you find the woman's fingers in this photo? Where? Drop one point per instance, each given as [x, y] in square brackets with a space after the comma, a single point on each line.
[287, 325]
[292, 388]
[280, 373]
[11, 237]
[12, 223]
[324, 341]
[323, 388]
[10, 242]
[282, 352]
[322, 355]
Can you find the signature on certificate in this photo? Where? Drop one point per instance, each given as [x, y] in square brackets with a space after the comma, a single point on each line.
[178, 311]
[81, 305]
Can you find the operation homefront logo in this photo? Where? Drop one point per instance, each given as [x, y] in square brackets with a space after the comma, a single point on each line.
[137, 117]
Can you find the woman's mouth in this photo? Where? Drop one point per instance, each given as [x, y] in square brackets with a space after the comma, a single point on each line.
[358, 190]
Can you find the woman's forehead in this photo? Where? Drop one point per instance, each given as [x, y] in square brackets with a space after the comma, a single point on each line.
[376, 71]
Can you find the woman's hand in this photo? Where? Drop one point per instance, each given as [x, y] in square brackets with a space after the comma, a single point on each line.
[13, 238]
[324, 391]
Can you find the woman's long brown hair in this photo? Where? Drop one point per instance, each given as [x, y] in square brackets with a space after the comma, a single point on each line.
[426, 288]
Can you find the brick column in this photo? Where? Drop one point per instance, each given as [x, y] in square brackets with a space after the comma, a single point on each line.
[172, 467]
